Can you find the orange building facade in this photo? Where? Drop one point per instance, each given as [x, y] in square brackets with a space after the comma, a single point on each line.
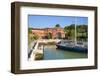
[54, 33]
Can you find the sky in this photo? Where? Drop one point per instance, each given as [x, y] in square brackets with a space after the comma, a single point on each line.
[46, 21]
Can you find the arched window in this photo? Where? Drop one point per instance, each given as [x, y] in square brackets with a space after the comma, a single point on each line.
[58, 35]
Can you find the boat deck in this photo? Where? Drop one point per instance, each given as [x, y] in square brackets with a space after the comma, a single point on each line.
[71, 46]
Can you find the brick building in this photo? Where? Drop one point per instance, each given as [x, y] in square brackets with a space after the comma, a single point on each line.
[54, 33]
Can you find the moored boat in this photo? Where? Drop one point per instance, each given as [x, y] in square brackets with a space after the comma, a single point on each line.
[72, 47]
[76, 46]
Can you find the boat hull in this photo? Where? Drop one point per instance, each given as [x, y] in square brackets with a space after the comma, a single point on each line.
[75, 49]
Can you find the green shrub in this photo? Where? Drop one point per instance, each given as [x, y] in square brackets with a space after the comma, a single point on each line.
[38, 56]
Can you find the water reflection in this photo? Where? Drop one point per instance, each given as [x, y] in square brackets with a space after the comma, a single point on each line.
[50, 53]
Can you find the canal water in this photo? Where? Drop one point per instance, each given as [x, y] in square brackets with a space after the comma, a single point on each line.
[52, 53]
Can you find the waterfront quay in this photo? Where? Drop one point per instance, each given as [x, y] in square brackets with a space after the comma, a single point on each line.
[36, 48]
[46, 49]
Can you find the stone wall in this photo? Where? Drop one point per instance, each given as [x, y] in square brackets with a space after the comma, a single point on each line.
[55, 32]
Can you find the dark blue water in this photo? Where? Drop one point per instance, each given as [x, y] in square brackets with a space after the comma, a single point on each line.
[50, 53]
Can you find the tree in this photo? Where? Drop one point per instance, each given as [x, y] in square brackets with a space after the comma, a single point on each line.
[29, 30]
[29, 35]
[49, 35]
[71, 27]
[35, 37]
[57, 25]
[69, 31]
[82, 32]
